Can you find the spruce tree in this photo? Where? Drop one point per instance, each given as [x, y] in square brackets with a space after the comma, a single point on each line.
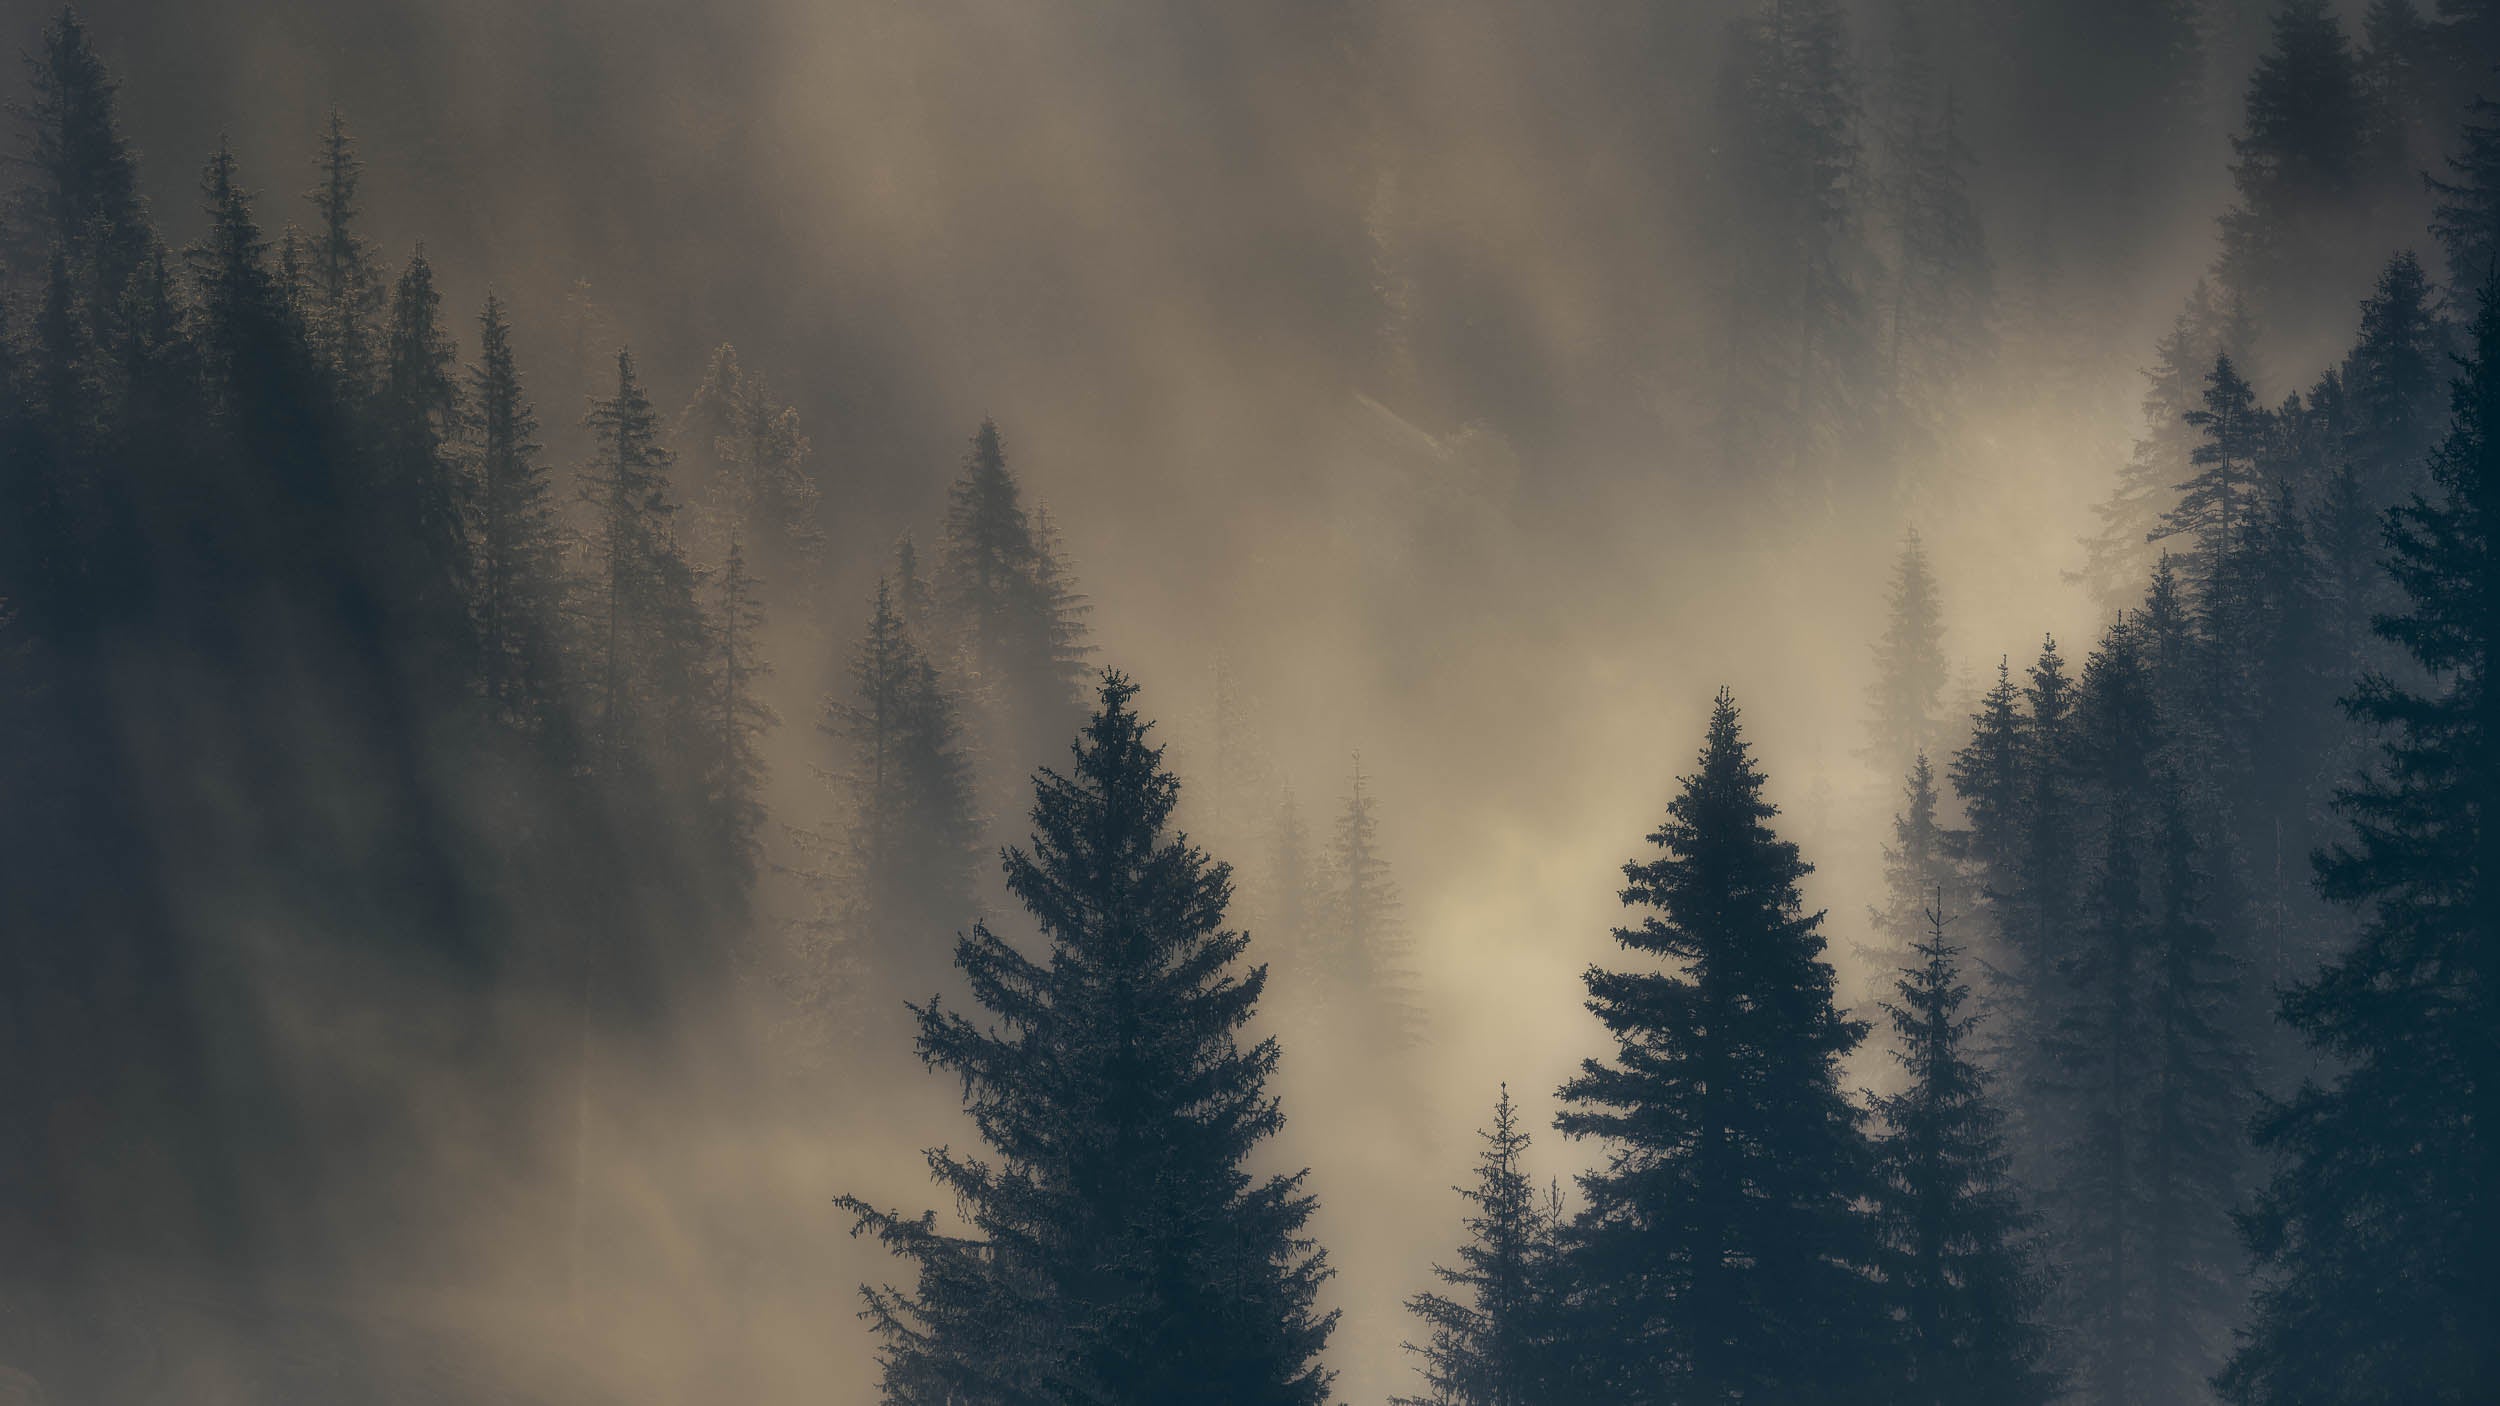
[1008, 613]
[738, 718]
[913, 830]
[1363, 974]
[2393, 379]
[516, 585]
[1960, 1261]
[1723, 1254]
[1794, 328]
[644, 637]
[1490, 1344]
[1905, 702]
[2119, 554]
[1936, 313]
[2218, 499]
[84, 197]
[1117, 1250]
[1920, 871]
[2467, 220]
[2300, 170]
[344, 291]
[422, 499]
[2375, 1236]
[753, 487]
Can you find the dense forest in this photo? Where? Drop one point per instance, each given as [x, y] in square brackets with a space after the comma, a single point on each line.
[521, 816]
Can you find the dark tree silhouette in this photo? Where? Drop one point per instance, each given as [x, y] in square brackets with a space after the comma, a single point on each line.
[1118, 1251]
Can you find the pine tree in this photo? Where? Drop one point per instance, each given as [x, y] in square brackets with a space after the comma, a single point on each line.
[1364, 975]
[738, 718]
[1960, 1260]
[2189, 1120]
[1489, 1347]
[2399, 63]
[516, 585]
[2392, 379]
[1117, 1250]
[1920, 872]
[753, 489]
[2218, 500]
[344, 291]
[2375, 1236]
[1797, 347]
[422, 500]
[1006, 608]
[2467, 220]
[2299, 175]
[1936, 316]
[913, 829]
[84, 198]
[2121, 552]
[645, 645]
[1905, 703]
[1723, 1254]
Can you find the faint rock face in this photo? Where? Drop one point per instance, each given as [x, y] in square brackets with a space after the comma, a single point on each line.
[19, 1389]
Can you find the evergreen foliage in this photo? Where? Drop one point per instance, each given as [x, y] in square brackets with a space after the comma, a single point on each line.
[1117, 1250]
[1724, 1253]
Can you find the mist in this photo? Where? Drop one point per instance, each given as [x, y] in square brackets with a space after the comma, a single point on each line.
[1389, 375]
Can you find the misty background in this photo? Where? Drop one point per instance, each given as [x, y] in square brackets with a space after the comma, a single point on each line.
[1370, 360]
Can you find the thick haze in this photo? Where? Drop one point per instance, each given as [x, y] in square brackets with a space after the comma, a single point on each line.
[1357, 351]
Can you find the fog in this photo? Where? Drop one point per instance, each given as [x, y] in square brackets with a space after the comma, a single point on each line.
[1360, 352]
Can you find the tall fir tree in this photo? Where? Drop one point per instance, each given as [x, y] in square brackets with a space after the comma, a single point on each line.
[2122, 550]
[737, 718]
[2375, 1236]
[342, 284]
[753, 487]
[645, 640]
[2300, 173]
[1961, 1263]
[1490, 1341]
[1724, 1253]
[2393, 379]
[912, 826]
[1021, 650]
[2218, 500]
[2467, 219]
[1793, 321]
[1118, 1250]
[1921, 871]
[1905, 704]
[423, 499]
[1363, 977]
[517, 587]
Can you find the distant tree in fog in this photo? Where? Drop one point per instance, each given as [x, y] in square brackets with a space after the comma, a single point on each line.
[753, 489]
[516, 587]
[1905, 704]
[1362, 967]
[1117, 1250]
[645, 637]
[913, 831]
[2467, 222]
[2299, 173]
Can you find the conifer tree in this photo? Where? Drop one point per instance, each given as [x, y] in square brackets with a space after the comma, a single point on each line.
[1960, 1260]
[84, 198]
[2121, 552]
[738, 717]
[1920, 872]
[2393, 380]
[645, 640]
[1905, 703]
[753, 486]
[913, 829]
[516, 585]
[1364, 976]
[2299, 173]
[1008, 613]
[1798, 351]
[2399, 80]
[1936, 312]
[2217, 501]
[1723, 1254]
[1489, 1345]
[2375, 1236]
[422, 500]
[344, 290]
[1117, 1250]
[2467, 220]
